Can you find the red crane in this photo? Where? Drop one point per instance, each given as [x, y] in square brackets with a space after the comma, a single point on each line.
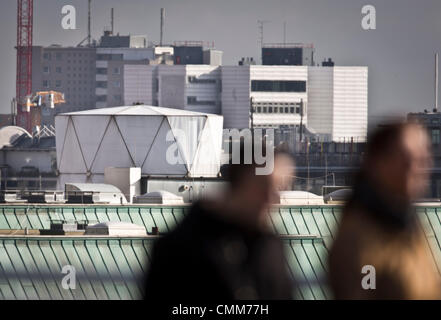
[25, 12]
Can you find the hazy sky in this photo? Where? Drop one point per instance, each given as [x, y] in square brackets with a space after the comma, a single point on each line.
[399, 53]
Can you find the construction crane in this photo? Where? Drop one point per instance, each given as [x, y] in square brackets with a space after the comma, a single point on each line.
[25, 13]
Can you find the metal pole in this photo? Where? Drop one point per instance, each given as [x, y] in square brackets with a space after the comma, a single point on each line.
[112, 20]
[89, 25]
[436, 83]
[162, 27]
[251, 113]
[301, 120]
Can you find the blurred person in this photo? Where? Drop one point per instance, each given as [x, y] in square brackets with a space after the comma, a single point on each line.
[224, 249]
[379, 226]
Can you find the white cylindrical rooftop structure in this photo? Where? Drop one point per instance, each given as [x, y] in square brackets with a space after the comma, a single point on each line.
[160, 141]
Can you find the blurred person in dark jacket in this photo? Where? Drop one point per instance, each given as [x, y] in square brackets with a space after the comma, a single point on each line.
[224, 249]
[379, 226]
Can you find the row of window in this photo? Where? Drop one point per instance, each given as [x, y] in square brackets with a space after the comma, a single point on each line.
[104, 84]
[278, 86]
[195, 102]
[47, 70]
[269, 109]
[109, 57]
[99, 84]
[105, 71]
[59, 55]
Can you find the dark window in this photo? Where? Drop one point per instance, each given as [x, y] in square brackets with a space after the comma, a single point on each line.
[435, 136]
[193, 79]
[101, 98]
[101, 84]
[101, 70]
[193, 101]
[278, 86]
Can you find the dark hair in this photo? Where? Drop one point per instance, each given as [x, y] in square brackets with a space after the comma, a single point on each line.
[235, 173]
[382, 140]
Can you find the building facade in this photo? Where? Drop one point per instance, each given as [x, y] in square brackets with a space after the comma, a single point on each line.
[330, 102]
[70, 70]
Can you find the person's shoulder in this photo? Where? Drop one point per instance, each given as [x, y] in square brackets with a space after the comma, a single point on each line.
[186, 229]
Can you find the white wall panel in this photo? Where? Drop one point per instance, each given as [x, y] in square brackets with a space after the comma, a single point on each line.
[320, 99]
[90, 131]
[157, 163]
[71, 158]
[350, 103]
[112, 151]
[139, 133]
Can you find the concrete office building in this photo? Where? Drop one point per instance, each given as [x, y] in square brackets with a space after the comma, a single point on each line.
[188, 87]
[110, 64]
[70, 70]
[275, 94]
[330, 102]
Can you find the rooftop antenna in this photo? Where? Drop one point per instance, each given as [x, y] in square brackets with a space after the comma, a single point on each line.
[112, 20]
[284, 32]
[89, 24]
[260, 26]
[161, 38]
[436, 83]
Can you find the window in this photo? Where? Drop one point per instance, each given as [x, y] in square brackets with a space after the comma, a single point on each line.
[191, 100]
[47, 56]
[58, 56]
[264, 109]
[101, 71]
[117, 97]
[116, 84]
[270, 109]
[435, 136]
[58, 83]
[278, 86]
[58, 70]
[116, 71]
[101, 84]
[259, 109]
[46, 70]
[46, 83]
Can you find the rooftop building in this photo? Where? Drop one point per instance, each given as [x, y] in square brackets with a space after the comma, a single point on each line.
[140, 136]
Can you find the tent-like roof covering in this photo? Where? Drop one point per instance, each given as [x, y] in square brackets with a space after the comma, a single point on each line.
[138, 110]
[160, 141]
